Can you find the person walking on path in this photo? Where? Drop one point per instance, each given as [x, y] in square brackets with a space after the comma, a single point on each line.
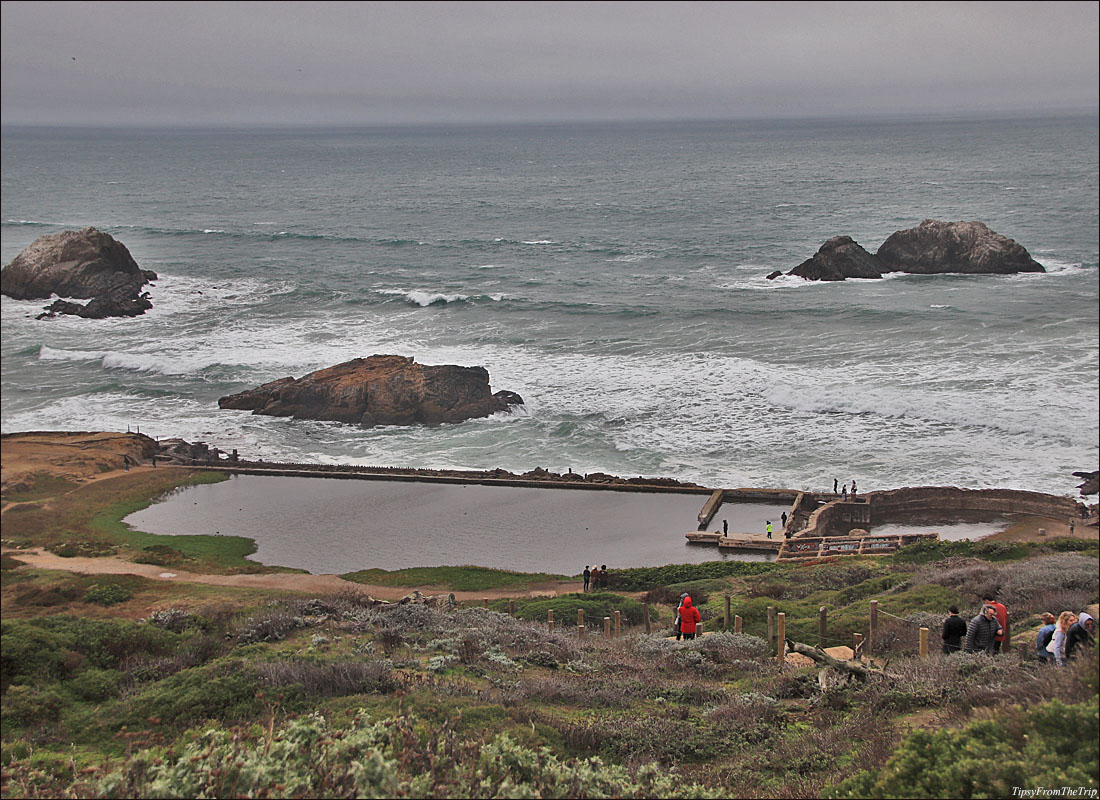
[1080, 635]
[1043, 637]
[954, 629]
[1002, 620]
[769, 529]
[587, 577]
[834, 485]
[679, 610]
[689, 619]
[783, 519]
[1057, 646]
[982, 631]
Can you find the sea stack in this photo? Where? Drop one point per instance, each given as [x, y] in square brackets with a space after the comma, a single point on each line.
[970, 248]
[839, 258]
[379, 390]
[79, 264]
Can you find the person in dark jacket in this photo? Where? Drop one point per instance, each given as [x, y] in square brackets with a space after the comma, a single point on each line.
[954, 629]
[1080, 635]
[587, 577]
[689, 619]
[1043, 637]
[982, 631]
[1002, 620]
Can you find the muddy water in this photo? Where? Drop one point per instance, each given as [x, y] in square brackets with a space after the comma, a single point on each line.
[337, 526]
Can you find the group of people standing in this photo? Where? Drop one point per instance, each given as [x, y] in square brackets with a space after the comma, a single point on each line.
[595, 578]
[844, 490]
[1056, 642]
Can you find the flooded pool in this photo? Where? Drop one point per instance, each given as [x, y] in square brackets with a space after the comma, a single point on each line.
[953, 527]
[337, 526]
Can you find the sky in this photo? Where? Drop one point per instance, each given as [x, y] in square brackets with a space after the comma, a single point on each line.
[370, 63]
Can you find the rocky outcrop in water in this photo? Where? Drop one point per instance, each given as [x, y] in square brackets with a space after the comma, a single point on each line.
[839, 258]
[933, 247]
[79, 264]
[965, 247]
[379, 390]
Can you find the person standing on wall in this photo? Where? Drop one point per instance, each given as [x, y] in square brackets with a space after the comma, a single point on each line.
[769, 529]
[587, 577]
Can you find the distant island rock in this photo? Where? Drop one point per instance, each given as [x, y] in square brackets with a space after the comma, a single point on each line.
[970, 248]
[79, 264]
[933, 247]
[839, 258]
[379, 390]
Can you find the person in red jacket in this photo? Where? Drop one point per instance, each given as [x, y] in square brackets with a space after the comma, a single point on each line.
[689, 618]
[1002, 620]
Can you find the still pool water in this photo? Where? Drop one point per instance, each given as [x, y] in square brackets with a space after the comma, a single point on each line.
[331, 526]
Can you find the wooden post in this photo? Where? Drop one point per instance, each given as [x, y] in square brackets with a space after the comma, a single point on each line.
[618, 621]
[580, 617]
[781, 640]
[550, 620]
[511, 607]
[485, 602]
[645, 610]
[857, 649]
[580, 631]
[771, 626]
[726, 618]
[924, 642]
[822, 616]
[737, 622]
[870, 646]
[607, 627]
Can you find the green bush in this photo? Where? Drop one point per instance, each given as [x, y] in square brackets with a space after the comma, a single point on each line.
[596, 605]
[25, 705]
[397, 757]
[224, 692]
[646, 578]
[107, 594]
[29, 654]
[105, 642]
[1050, 745]
[95, 684]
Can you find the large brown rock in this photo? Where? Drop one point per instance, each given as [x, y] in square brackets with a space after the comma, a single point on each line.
[79, 264]
[839, 258]
[380, 390]
[967, 247]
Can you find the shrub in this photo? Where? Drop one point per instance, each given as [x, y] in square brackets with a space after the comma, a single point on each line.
[95, 684]
[224, 692]
[107, 594]
[330, 679]
[105, 643]
[160, 555]
[645, 578]
[271, 625]
[596, 606]
[29, 654]
[29, 704]
[398, 757]
[1052, 745]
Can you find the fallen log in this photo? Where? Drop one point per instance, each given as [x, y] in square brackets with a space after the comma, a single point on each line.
[821, 657]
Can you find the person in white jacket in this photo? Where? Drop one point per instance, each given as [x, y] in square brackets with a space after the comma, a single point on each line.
[1057, 644]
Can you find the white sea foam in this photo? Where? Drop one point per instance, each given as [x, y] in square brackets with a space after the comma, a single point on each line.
[538, 241]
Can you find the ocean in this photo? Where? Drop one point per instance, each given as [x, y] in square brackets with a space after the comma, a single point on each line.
[613, 275]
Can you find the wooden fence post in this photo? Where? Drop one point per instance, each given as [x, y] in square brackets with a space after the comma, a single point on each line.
[822, 616]
[485, 602]
[870, 646]
[857, 646]
[580, 617]
[737, 623]
[550, 620]
[726, 618]
[781, 639]
[511, 607]
[645, 610]
[580, 631]
[771, 626]
[924, 642]
[618, 621]
[607, 627]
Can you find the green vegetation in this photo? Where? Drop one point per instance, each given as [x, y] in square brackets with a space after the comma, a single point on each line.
[115, 685]
[458, 579]
[1049, 745]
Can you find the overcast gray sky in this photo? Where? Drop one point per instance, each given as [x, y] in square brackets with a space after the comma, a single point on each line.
[369, 63]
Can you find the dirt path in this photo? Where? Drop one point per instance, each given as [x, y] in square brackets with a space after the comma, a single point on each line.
[38, 558]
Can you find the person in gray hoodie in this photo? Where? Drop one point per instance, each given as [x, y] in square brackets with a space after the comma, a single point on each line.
[1080, 634]
[982, 631]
